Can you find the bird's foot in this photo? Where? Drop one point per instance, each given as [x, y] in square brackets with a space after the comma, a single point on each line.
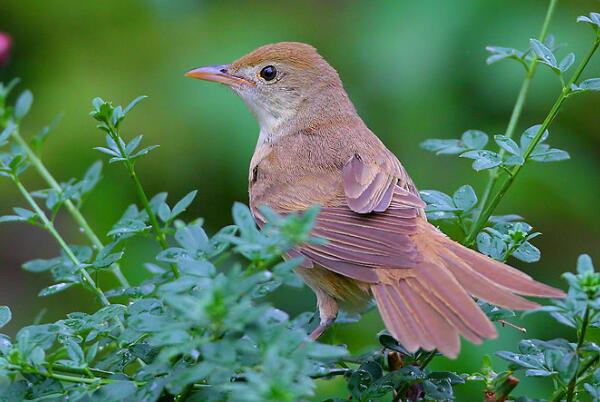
[316, 334]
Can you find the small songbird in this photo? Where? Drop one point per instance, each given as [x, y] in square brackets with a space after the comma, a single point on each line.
[313, 148]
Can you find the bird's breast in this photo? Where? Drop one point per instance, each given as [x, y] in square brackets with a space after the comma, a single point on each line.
[290, 178]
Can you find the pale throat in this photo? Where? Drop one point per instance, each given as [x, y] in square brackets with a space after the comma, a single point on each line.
[272, 120]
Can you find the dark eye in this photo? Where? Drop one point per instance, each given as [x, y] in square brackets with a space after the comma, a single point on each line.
[268, 73]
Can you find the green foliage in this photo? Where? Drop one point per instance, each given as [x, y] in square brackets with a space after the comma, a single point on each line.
[573, 367]
[200, 328]
[511, 153]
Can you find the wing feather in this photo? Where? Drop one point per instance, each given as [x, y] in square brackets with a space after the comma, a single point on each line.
[369, 185]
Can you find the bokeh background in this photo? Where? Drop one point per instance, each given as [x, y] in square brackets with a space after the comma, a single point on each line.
[415, 70]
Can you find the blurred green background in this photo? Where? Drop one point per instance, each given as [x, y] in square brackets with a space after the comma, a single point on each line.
[415, 70]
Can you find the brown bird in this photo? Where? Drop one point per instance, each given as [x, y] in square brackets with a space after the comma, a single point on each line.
[313, 148]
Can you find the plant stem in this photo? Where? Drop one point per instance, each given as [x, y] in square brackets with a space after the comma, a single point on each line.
[73, 210]
[518, 107]
[503, 391]
[558, 396]
[49, 226]
[184, 394]
[485, 214]
[580, 340]
[400, 390]
[331, 373]
[68, 378]
[158, 232]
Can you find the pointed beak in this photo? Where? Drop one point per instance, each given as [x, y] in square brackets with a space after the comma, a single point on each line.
[220, 74]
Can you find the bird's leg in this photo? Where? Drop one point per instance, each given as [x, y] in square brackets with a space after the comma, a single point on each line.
[328, 310]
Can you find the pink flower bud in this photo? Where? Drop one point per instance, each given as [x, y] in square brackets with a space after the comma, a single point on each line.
[5, 45]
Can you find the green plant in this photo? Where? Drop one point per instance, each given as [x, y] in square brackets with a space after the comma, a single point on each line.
[199, 327]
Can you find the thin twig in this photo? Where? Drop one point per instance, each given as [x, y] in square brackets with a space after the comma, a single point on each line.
[510, 324]
[158, 232]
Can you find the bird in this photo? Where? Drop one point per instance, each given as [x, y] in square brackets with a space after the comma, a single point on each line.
[314, 149]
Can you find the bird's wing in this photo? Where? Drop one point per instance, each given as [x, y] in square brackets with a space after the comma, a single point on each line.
[358, 244]
[371, 184]
[370, 226]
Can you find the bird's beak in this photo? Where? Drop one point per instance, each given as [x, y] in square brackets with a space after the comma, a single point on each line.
[218, 74]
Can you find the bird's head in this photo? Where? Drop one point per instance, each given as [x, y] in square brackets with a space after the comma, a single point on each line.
[277, 81]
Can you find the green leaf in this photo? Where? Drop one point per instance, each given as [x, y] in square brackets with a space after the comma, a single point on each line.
[6, 89]
[593, 20]
[483, 159]
[5, 315]
[501, 53]
[543, 52]
[464, 198]
[193, 238]
[567, 365]
[566, 62]
[439, 205]
[133, 144]
[592, 84]
[524, 361]
[107, 151]
[438, 199]
[492, 246]
[24, 213]
[164, 212]
[495, 313]
[127, 226]
[6, 133]
[474, 139]
[91, 177]
[443, 147]
[39, 265]
[12, 218]
[173, 255]
[388, 342]
[115, 391]
[74, 351]
[513, 160]
[39, 139]
[104, 259]
[529, 134]
[244, 220]
[183, 204]
[585, 265]
[507, 144]
[133, 103]
[144, 151]
[551, 155]
[50, 290]
[439, 390]
[23, 104]
[527, 252]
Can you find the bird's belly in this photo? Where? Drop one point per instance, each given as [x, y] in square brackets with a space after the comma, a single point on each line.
[351, 295]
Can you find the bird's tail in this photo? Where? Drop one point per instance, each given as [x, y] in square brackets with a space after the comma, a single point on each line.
[430, 306]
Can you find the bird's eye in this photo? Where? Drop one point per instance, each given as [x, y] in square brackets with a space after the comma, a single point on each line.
[268, 73]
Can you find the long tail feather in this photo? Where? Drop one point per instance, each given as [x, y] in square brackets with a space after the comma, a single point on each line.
[430, 305]
[502, 274]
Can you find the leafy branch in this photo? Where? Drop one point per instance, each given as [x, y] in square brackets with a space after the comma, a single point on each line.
[521, 97]
[110, 118]
[568, 89]
[10, 122]
[49, 226]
